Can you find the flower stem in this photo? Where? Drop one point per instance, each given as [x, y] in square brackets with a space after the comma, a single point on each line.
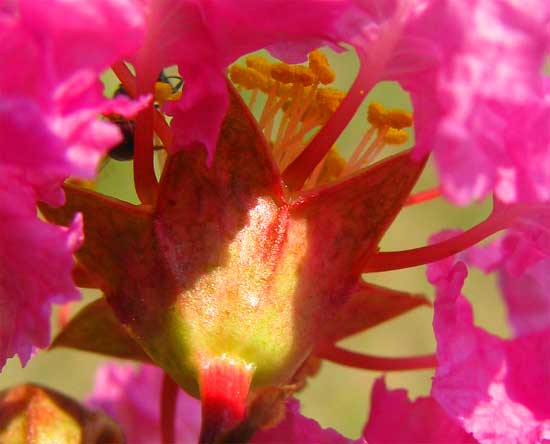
[168, 399]
[423, 196]
[368, 362]
[395, 260]
[299, 170]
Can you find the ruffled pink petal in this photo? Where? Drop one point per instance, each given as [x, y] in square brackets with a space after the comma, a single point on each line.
[204, 37]
[297, 429]
[395, 419]
[56, 96]
[472, 68]
[131, 395]
[50, 101]
[528, 298]
[522, 261]
[480, 145]
[35, 271]
[498, 390]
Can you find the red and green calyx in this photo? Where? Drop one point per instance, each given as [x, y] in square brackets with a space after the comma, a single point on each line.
[229, 281]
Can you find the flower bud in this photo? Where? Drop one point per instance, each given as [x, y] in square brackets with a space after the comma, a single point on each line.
[30, 414]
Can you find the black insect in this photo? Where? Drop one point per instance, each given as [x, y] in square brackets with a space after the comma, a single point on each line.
[125, 149]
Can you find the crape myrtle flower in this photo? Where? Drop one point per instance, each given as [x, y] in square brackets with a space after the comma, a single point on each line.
[50, 97]
[243, 265]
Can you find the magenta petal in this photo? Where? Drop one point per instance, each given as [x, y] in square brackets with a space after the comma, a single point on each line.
[395, 419]
[131, 395]
[204, 37]
[50, 101]
[528, 298]
[473, 68]
[35, 272]
[498, 390]
[57, 92]
[522, 261]
[297, 429]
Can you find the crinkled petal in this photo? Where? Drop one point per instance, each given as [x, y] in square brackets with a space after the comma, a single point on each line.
[522, 261]
[497, 389]
[528, 298]
[131, 395]
[297, 429]
[493, 76]
[204, 37]
[50, 101]
[473, 69]
[35, 271]
[395, 419]
[56, 96]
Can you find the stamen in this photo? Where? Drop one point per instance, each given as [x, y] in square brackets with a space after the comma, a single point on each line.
[376, 115]
[368, 362]
[298, 171]
[259, 64]
[318, 63]
[395, 136]
[292, 74]
[248, 78]
[293, 90]
[327, 171]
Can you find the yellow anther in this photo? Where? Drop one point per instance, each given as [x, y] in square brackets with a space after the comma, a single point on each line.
[248, 78]
[395, 136]
[330, 96]
[333, 165]
[399, 118]
[163, 92]
[318, 63]
[376, 115]
[260, 64]
[292, 74]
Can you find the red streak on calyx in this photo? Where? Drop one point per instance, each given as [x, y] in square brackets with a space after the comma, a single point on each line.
[224, 385]
[168, 402]
[369, 362]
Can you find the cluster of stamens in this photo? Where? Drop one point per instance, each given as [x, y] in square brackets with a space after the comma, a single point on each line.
[299, 102]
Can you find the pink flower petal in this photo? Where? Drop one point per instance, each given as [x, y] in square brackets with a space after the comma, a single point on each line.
[297, 429]
[522, 260]
[50, 100]
[56, 96]
[472, 68]
[131, 395]
[204, 37]
[528, 298]
[498, 390]
[396, 419]
[35, 271]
